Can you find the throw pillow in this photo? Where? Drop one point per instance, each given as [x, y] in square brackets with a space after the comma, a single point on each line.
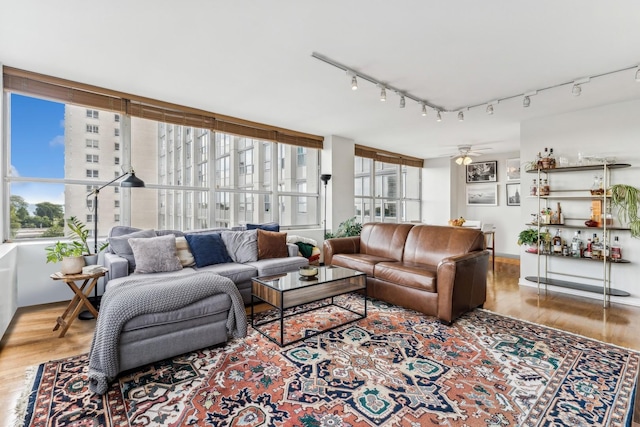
[184, 252]
[269, 226]
[272, 244]
[242, 246]
[208, 249]
[120, 245]
[155, 254]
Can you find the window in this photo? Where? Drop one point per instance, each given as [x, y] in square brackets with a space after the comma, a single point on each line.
[116, 132]
[302, 156]
[92, 173]
[394, 196]
[116, 160]
[116, 118]
[92, 158]
[116, 203]
[89, 218]
[116, 218]
[92, 129]
[302, 201]
[92, 143]
[92, 114]
[116, 189]
[89, 203]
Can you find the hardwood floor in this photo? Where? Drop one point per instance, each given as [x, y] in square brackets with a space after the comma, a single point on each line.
[30, 339]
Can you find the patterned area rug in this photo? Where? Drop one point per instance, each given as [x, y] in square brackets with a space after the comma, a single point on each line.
[395, 368]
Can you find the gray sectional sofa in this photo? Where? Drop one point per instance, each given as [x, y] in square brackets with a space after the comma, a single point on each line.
[240, 273]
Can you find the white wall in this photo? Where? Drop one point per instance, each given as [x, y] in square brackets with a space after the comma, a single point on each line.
[436, 191]
[8, 284]
[612, 130]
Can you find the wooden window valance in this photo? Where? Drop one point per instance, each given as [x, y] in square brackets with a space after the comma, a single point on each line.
[387, 156]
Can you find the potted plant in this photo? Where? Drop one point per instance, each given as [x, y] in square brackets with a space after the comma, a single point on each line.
[80, 234]
[531, 238]
[69, 254]
[625, 198]
[348, 228]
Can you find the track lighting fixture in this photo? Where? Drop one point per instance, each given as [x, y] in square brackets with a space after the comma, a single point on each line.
[576, 90]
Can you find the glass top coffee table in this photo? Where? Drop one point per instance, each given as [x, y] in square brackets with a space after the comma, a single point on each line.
[292, 292]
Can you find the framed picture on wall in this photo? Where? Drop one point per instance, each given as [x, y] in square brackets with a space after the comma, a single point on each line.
[482, 195]
[513, 169]
[513, 194]
[482, 172]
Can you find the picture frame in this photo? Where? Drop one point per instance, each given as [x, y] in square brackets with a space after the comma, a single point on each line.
[482, 195]
[482, 172]
[513, 194]
[513, 169]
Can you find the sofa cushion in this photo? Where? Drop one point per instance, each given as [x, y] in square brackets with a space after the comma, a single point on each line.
[155, 254]
[418, 276]
[184, 252]
[233, 270]
[272, 244]
[384, 240]
[120, 245]
[430, 244]
[271, 266]
[208, 249]
[242, 246]
[269, 226]
[360, 262]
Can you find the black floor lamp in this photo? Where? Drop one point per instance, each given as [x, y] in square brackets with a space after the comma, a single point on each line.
[325, 177]
[131, 181]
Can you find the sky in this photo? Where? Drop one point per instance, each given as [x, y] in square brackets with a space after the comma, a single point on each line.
[37, 147]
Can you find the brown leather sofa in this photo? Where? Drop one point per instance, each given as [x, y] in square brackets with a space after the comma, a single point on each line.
[437, 270]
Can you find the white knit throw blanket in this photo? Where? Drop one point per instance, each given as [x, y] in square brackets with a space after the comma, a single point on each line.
[141, 295]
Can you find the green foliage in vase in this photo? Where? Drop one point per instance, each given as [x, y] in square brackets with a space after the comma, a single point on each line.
[625, 199]
[348, 228]
[60, 250]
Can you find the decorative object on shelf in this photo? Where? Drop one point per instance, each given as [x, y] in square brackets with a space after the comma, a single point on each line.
[532, 238]
[513, 194]
[625, 198]
[482, 172]
[69, 254]
[308, 272]
[482, 195]
[458, 222]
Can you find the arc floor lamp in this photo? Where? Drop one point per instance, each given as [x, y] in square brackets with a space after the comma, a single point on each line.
[131, 181]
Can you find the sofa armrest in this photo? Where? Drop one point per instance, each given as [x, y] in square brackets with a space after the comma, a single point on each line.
[116, 265]
[292, 249]
[462, 284]
[340, 245]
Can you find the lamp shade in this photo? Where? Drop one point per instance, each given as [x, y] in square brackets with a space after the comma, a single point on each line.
[132, 181]
[325, 177]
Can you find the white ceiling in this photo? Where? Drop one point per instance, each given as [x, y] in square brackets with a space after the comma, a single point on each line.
[252, 59]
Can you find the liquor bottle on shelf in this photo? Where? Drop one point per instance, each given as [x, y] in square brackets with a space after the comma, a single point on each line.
[557, 243]
[616, 250]
[533, 191]
[576, 245]
[587, 249]
[552, 159]
[596, 249]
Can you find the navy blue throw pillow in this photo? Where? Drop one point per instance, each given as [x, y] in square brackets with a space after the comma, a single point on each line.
[208, 249]
[270, 226]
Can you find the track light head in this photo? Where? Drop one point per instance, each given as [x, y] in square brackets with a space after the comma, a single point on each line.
[383, 93]
[526, 101]
[638, 74]
[460, 116]
[576, 90]
[402, 101]
[354, 83]
[424, 110]
[439, 116]
[490, 109]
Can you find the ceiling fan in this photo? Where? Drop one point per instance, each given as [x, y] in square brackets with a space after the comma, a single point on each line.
[465, 153]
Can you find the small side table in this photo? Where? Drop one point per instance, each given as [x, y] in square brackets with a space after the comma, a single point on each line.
[79, 299]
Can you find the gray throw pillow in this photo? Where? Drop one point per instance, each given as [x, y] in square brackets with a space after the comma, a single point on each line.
[155, 254]
[120, 245]
[242, 246]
